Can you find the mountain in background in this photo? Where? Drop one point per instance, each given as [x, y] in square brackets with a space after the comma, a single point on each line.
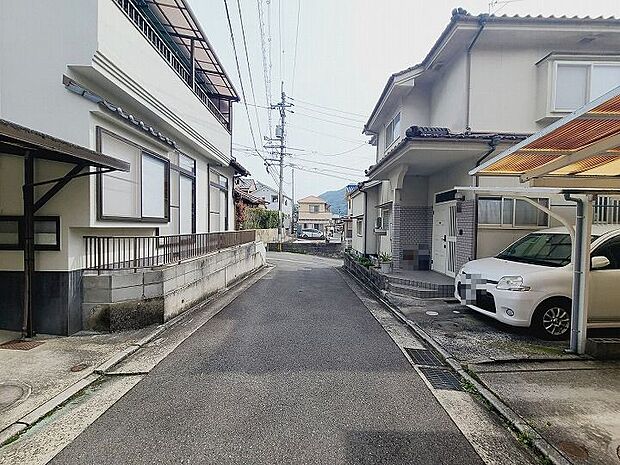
[337, 200]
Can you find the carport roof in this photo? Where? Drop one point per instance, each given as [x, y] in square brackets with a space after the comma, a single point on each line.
[582, 145]
[19, 140]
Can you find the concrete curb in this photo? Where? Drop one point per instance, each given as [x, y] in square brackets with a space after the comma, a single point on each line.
[100, 371]
[540, 443]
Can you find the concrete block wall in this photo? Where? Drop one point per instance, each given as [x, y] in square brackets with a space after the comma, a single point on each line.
[413, 247]
[124, 300]
[466, 232]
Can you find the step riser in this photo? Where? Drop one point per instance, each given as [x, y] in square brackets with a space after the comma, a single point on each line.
[421, 284]
[420, 293]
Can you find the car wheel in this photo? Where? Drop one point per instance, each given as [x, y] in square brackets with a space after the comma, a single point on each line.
[552, 319]
[304, 236]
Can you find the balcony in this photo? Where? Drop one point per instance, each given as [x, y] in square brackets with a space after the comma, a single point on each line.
[188, 53]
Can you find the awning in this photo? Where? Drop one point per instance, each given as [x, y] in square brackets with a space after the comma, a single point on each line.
[18, 140]
[583, 145]
[179, 22]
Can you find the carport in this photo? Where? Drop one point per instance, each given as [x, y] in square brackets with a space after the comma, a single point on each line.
[578, 157]
[16, 140]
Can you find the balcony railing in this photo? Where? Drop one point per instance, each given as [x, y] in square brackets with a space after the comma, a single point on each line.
[133, 252]
[151, 34]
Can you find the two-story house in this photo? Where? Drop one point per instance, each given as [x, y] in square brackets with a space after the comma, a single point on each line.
[313, 213]
[270, 195]
[135, 80]
[487, 83]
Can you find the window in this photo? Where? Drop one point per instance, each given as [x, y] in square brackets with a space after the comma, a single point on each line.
[315, 208]
[611, 250]
[46, 233]
[540, 249]
[579, 83]
[9, 233]
[392, 131]
[218, 202]
[316, 226]
[507, 212]
[359, 225]
[142, 193]
[274, 198]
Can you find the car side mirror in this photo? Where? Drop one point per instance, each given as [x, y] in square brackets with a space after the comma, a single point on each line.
[600, 262]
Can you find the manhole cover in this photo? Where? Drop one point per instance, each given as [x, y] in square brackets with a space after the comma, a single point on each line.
[11, 393]
[17, 344]
[423, 357]
[441, 378]
[576, 451]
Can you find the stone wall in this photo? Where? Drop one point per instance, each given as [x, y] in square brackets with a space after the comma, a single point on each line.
[332, 250]
[124, 300]
[370, 276]
[412, 237]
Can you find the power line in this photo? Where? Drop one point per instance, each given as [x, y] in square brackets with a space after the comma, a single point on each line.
[333, 165]
[327, 108]
[247, 110]
[325, 134]
[330, 121]
[324, 174]
[266, 57]
[296, 41]
[308, 108]
[318, 154]
[280, 33]
[247, 61]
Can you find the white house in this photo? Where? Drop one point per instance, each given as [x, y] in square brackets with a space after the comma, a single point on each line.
[486, 84]
[269, 194]
[135, 80]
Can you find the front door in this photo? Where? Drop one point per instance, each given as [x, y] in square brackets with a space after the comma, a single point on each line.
[444, 238]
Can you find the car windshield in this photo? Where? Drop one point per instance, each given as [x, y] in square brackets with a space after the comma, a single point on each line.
[545, 249]
[540, 249]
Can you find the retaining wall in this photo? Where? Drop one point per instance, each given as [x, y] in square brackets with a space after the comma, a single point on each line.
[332, 250]
[125, 300]
[368, 275]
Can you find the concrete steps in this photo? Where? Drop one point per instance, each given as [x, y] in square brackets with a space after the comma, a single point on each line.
[604, 348]
[418, 292]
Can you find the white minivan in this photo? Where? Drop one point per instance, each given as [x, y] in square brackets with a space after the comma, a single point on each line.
[529, 284]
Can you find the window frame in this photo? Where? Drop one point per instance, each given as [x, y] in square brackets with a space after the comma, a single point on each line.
[512, 224]
[589, 64]
[390, 129]
[20, 233]
[215, 183]
[143, 152]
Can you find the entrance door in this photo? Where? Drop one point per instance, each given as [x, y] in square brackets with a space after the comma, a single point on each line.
[444, 238]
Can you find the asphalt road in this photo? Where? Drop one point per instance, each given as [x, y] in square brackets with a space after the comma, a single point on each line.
[295, 370]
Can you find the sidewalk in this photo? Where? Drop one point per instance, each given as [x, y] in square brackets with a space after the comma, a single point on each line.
[573, 403]
[30, 378]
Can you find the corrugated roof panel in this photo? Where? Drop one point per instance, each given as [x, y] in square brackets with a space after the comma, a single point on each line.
[585, 165]
[521, 161]
[576, 134]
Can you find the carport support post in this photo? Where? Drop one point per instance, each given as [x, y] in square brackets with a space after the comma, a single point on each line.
[28, 241]
[584, 241]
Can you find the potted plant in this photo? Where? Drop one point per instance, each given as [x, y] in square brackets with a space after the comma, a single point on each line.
[385, 261]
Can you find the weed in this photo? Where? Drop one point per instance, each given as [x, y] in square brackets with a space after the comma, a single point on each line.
[525, 439]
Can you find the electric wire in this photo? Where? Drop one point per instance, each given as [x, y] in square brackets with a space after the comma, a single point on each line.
[296, 42]
[326, 108]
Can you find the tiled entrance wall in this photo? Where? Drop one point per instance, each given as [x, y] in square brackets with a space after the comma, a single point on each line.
[466, 232]
[412, 237]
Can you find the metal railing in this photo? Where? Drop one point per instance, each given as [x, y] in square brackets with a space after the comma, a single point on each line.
[133, 252]
[151, 34]
[607, 210]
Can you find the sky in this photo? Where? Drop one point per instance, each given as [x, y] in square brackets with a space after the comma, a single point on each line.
[334, 57]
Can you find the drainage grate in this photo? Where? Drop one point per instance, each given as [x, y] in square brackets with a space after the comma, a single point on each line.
[441, 378]
[423, 357]
[20, 345]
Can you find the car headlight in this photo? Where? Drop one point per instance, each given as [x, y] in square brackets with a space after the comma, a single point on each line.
[512, 283]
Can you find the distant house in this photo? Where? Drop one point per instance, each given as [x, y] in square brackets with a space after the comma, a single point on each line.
[270, 194]
[314, 213]
[486, 84]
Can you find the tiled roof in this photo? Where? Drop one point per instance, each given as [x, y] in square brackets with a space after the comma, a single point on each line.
[311, 199]
[437, 133]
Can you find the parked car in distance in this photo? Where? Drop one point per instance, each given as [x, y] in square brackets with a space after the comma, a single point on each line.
[530, 283]
[311, 233]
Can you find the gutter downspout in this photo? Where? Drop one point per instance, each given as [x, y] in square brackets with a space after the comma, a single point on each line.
[577, 277]
[482, 21]
[365, 220]
[492, 146]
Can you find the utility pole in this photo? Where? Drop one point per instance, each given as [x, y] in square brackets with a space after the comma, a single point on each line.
[292, 198]
[281, 135]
